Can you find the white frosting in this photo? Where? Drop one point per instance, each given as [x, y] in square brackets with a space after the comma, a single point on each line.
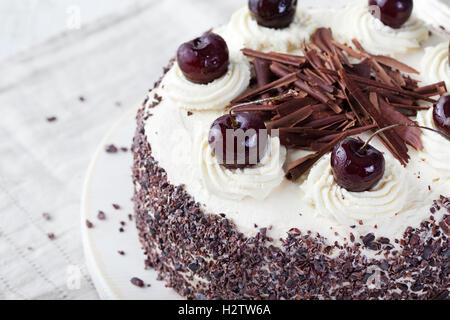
[314, 203]
[436, 152]
[435, 64]
[212, 96]
[256, 182]
[434, 12]
[244, 32]
[356, 22]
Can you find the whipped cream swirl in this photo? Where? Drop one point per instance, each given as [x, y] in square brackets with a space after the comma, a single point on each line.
[386, 200]
[212, 96]
[435, 64]
[256, 182]
[436, 148]
[356, 22]
[244, 31]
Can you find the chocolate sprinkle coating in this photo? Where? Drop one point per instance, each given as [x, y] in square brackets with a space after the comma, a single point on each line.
[181, 241]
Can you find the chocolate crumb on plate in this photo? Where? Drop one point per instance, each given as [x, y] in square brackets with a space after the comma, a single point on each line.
[137, 282]
[51, 236]
[101, 215]
[51, 119]
[116, 206]
[89, 224]
[111, 149]
[46, 216]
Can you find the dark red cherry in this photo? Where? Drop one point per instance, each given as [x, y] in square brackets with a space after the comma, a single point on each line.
[393, 13]
[441, 114]
[238, 140]
[354, 169]
[276, 14]
[204, 59]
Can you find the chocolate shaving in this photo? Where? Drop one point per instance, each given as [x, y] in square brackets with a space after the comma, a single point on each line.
[409, 134]
[350, 132]
[388, 88]
[302, 85]
[304, 138]
[392, 142]
[408, 106]
[432, 89]
[255, 108]
[395, 64]
[291, 119]
[293, 105]
[263, 74]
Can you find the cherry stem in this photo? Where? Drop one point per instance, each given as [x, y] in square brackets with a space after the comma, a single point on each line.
[260, 101]
[402, 125]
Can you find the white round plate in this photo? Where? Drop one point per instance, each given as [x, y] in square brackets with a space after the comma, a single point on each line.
[109, 182]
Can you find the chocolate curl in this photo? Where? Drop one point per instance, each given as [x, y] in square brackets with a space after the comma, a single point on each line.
[284, 81]
[301, 166]
[410, 135]
[282, 72]
[392, 141]
[286, 59]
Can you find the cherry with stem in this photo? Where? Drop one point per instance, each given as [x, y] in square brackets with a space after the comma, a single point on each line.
[357, 166]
